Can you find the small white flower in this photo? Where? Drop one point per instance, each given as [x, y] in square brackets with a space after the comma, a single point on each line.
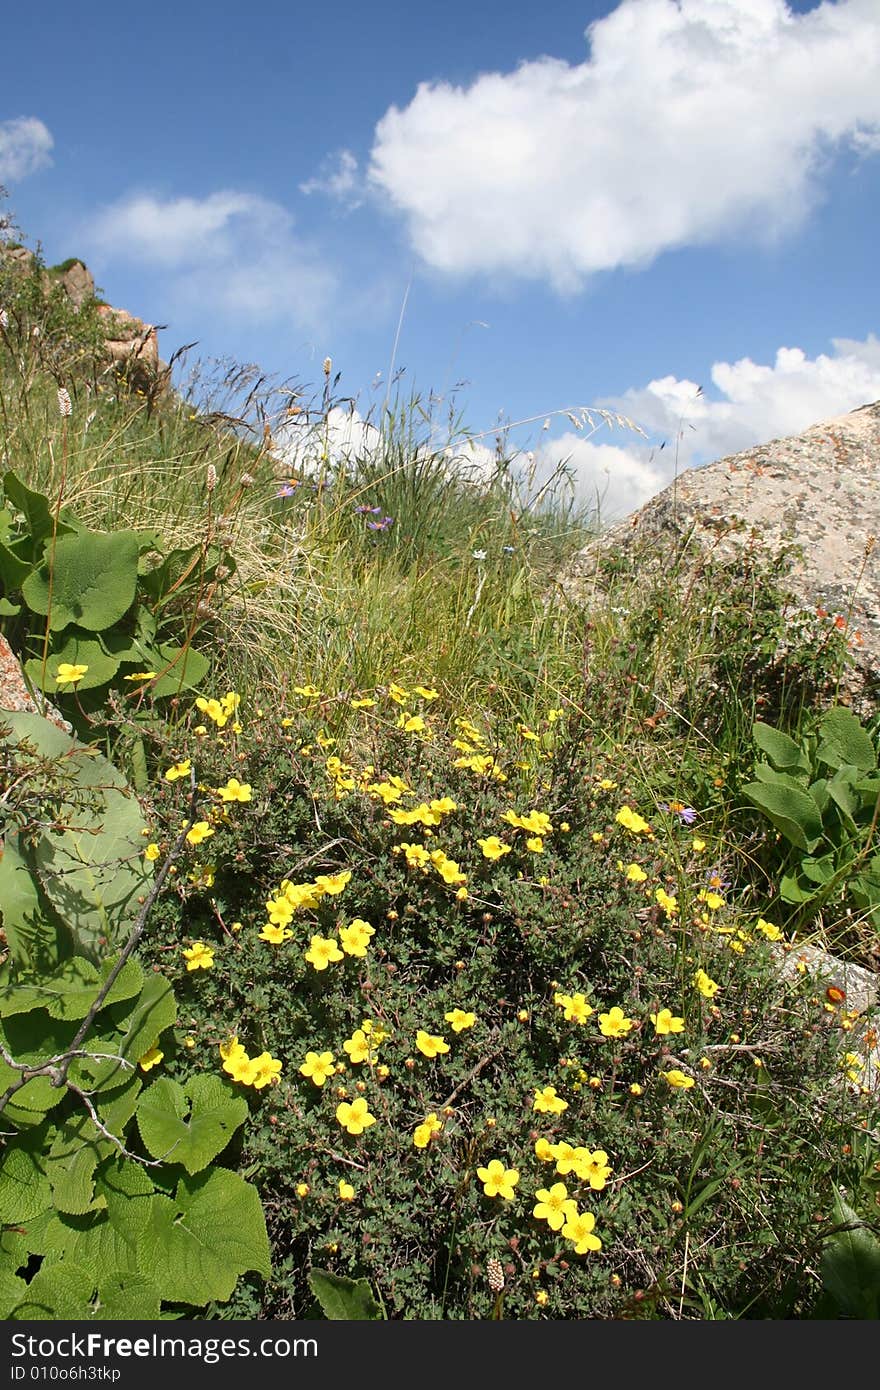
[479, 554]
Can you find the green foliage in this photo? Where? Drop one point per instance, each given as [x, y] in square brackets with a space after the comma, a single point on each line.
[71, 883]
[108, 1235]
[850, 1268]
[764, 1123]
[108, 601]
[821, 793]
[342, 1299]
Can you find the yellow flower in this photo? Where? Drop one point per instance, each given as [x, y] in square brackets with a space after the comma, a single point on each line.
[579, 1229]
[425, 1132]
[707, 987]
[308, 692]
[322, 951]
[346, 1191]
[426, 693]
[635, 873]
[199, 832]
[493, 848]
[332, 883]
[615, 1024]
[553, 1206]
[275, 935]
[677, 1079]
[265, 1071]
[712, 900]
[234, 790]
[698, 845]
[769, 930]
[575, 1007]
[497, 1180]
[667, 902]
[397, 693]
[181, 769]
[152, 852]
[548, 1102]
[151, 1058]
[365, 703]
[360, 1047]
[535, 844]
[318, 1066]
[666, 1022]
[458, 1020]
[68, 674]
[545, 1152]
[355, 1117]
[429, 1044]
[631, 820]
[592, 1167]
[411, 723]
[199, 956]
[302, 1189]
[355, 938]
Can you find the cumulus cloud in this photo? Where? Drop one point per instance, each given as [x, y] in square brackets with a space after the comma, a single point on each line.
[233, 254]
[25, 145]
[338, 178]
[753, 404]
[690, 121]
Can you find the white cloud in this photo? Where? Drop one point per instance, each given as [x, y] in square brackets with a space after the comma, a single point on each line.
[758, 403]
[338, 178]
[690, 121]
[25, 144]
[229, 254]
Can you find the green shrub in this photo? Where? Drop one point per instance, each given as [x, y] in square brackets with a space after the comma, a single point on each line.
[709, 1157]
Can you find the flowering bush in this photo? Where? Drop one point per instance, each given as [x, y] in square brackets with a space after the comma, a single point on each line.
[568, 1055]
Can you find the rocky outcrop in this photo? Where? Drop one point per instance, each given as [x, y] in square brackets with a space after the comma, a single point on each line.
[132, 346]
[819, 489]
[76, 281]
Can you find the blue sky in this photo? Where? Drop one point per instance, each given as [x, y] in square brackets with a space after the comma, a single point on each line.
[581, 204]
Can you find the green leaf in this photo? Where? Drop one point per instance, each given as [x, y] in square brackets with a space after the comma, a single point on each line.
[92, 870]
[37, 512]
[71, 1162]
[127, 1297]
[78, 648]
[342, 1299]
[791, 810]
[29, 936]
[13, 568]
[24, 1187]
[187, 669]
[851, 1266]
[90, 581]
[58, 1293]
[845, 741]
[70, 990]
[12, 1290]
[202, 1239]
[783, 752]
[793, 890]
[190, 1125]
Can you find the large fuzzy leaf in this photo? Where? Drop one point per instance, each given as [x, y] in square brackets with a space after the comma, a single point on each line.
[189, 1124]
[88, 579]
